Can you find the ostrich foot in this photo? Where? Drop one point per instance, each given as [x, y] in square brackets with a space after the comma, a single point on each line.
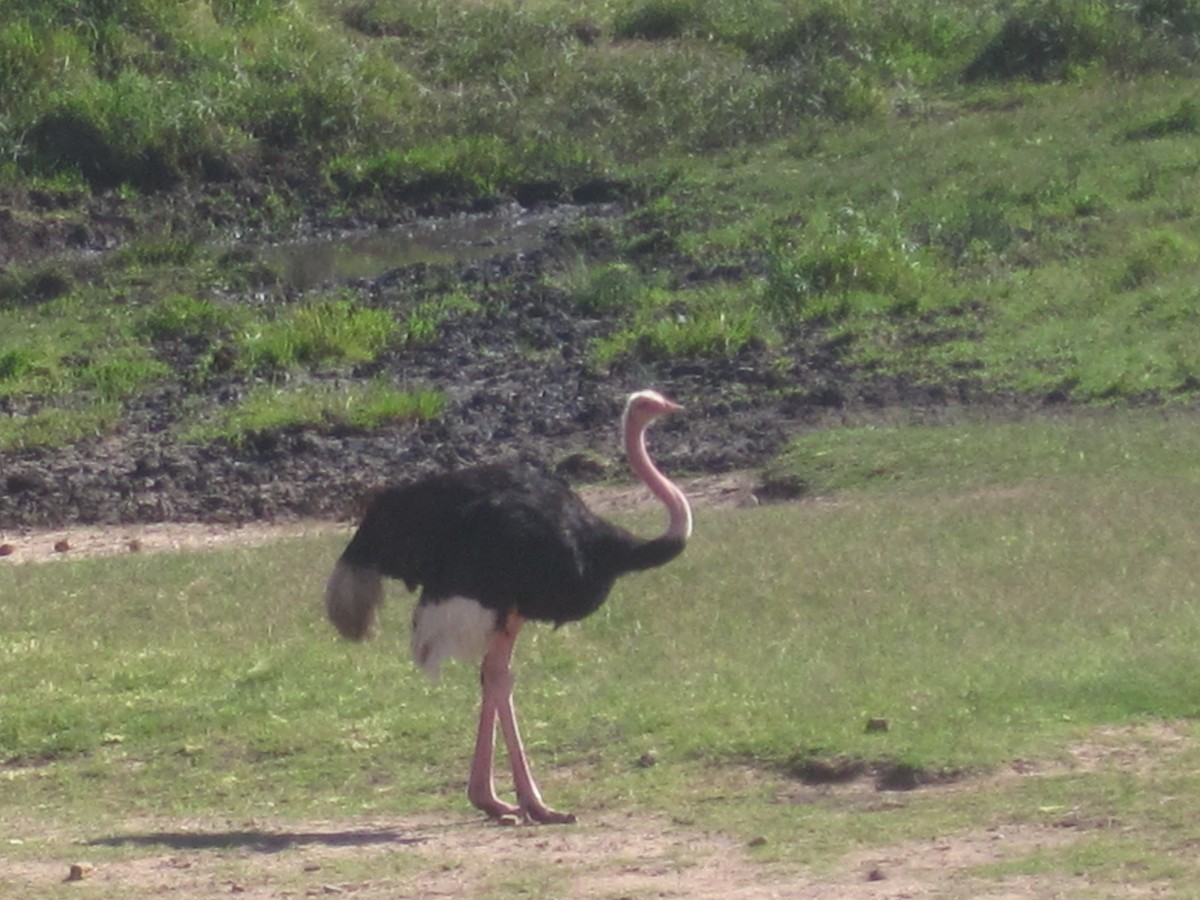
[544, 815]
[534, 813]
[495, 808]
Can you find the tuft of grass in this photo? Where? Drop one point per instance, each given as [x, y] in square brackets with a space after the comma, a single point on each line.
[423, 321]
[1184, 119]
[1045, 41]
[268, 409]
[16, 363]
[609, 288]
[659, 20]
[31, 287]
[322, 331]
[188, 318]
[57, 426]
[1157, 254]
[830, 271]
[708, 322]
[1180, 18]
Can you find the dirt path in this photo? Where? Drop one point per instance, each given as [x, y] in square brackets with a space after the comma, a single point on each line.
[43, 545]
[617, 857]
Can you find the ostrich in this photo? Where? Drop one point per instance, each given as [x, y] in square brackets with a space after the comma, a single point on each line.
[492, 547]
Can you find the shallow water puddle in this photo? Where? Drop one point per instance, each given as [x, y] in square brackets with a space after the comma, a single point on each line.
[307, 264]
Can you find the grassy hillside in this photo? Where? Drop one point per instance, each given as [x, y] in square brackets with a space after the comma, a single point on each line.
[462, 99]
[929, 200]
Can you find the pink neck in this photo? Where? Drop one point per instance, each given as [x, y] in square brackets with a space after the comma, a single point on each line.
[680, 525]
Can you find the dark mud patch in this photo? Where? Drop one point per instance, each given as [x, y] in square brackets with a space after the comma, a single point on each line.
[519, 383]
[885, 775]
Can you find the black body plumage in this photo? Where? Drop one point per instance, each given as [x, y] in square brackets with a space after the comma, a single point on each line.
[509, 537]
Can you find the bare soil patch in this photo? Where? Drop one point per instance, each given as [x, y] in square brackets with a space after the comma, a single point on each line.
[616, 855]
[624, 856]
[48, 545]
[619, 857]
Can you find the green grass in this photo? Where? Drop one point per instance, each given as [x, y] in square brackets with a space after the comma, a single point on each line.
[665, 324]
[903, 186]
[317, 333]
[76, 347]
[423, 320]
[912, 457]
[268, 408]
[1040, 592]
[58, 426]
[420, 98]
[1041, 252]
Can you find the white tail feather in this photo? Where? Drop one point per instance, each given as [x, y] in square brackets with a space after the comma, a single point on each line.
[352, 596]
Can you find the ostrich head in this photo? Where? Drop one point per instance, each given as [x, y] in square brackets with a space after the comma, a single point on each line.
[643, 407]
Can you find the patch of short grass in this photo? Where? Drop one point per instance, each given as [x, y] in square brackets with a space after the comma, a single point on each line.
[57, 426]
[983, 624]
[421, 323]
[315, 333]
[682, 324]
[923, 457]
[268, 408]
[1036, 599]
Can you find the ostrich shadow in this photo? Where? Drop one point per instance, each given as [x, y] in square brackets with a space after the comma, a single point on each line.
[257, 840]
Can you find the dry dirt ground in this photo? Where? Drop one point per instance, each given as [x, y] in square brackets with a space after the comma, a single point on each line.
[57, 544]
[614, 856]
[614, 859]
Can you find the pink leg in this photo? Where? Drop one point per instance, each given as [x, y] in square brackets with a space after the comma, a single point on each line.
[481, 789]
[497, 703]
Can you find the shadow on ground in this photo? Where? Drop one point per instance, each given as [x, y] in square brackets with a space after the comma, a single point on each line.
[260, 841]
